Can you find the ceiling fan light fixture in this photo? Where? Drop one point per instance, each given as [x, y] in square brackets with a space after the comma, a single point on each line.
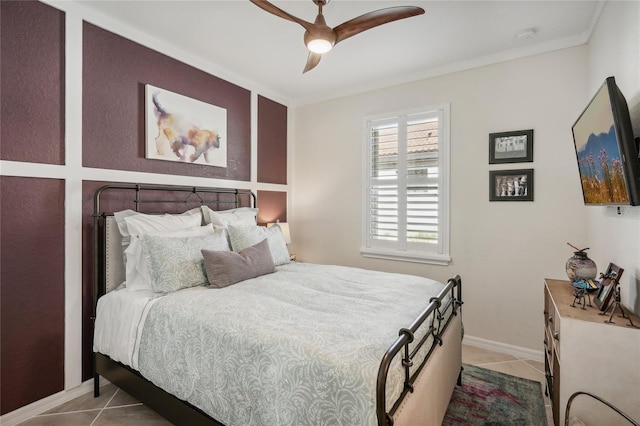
[320, 38]
[319, 45]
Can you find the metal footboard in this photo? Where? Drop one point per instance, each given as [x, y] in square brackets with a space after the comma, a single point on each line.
[437, 315]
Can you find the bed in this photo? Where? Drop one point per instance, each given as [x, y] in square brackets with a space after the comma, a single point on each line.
[296, 344]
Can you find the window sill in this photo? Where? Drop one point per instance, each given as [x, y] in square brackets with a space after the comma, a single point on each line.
[407, 256]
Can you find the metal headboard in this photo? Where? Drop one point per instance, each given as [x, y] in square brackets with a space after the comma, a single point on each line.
[105, 231]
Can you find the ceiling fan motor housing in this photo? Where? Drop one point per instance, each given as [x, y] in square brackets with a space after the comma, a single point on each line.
[320, 31]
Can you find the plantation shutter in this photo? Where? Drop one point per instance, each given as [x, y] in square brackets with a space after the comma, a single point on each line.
[403, 194]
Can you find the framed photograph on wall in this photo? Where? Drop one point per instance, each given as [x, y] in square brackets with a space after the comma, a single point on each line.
[511, 185]
[608, 285]
[511, 147]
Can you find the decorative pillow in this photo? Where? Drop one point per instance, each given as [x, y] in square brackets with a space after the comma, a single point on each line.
[227, 267]
[241, 216]
[242, 237]
[176, 263]
[137, 275]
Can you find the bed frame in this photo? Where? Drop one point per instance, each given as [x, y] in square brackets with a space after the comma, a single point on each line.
[427, 388]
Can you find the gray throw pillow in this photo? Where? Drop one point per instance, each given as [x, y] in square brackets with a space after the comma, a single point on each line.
[227, 267]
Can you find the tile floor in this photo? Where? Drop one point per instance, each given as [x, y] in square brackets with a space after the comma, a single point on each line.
[115, 407]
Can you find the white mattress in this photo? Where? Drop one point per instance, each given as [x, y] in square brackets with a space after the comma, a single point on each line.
[119, 320]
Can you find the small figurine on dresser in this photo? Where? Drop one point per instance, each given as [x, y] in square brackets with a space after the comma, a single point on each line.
[581, 296]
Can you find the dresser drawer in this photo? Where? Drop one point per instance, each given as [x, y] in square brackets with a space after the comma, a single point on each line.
[552, 325]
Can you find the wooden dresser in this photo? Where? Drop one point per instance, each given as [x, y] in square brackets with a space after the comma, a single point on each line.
[583, 353]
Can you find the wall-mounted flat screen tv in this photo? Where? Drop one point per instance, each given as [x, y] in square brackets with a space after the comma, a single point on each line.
[607, 151]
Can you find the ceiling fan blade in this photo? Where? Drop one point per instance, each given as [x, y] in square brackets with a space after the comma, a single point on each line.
[312, 60]
[274, 10]
[373, 19]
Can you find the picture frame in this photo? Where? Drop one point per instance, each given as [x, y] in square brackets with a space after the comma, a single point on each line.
[610, 280]
[511, 185]
[183, 129]
[511, 147]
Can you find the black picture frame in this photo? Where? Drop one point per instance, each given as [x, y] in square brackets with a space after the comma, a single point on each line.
[610, 280]
[511, 147]
[511, 185]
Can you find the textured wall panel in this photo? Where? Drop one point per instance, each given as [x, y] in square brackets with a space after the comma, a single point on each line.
[115, 71]
[272, 206]
[31, 290]
[32, 82]
[272, 141]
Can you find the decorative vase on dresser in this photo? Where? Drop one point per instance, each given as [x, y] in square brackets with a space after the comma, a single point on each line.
[579, 266]
[583, 353]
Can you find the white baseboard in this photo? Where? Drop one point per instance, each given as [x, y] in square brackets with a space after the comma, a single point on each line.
[517, 351]
[28, 411]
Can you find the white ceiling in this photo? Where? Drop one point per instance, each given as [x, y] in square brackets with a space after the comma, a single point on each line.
[268, 51]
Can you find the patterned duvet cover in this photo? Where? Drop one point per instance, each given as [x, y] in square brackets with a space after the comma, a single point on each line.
[301, 346]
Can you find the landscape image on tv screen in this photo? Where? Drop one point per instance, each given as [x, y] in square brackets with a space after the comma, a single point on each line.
[599, 160]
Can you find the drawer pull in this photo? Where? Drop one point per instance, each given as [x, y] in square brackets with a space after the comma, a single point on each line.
[551, 320]
[556, 335]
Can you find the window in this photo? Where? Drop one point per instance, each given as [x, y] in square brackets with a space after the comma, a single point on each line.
[406, 204]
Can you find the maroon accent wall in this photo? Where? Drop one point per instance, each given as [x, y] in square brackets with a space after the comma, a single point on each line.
[272, 141]
[272, 206]
[31, 290]
[115, 71]
[32, 84]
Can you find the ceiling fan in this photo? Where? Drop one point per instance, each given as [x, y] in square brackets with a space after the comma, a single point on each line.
[320, 38]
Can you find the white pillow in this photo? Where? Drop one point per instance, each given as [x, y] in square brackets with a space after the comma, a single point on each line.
[137, 274]
[175, 263]
[143, 224]
[242, 237]
[131, 222]
[242, 216]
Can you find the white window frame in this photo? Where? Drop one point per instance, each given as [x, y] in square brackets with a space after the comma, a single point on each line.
[433, 254]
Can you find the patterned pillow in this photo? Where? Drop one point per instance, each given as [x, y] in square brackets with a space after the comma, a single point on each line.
[177, 263]
[136, 273]
[242, 237]
[227, 267]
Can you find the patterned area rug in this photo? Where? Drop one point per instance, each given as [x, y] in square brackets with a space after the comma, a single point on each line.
[490, 398]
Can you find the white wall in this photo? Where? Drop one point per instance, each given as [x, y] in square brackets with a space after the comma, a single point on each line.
[614, 50]
[503, 250]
